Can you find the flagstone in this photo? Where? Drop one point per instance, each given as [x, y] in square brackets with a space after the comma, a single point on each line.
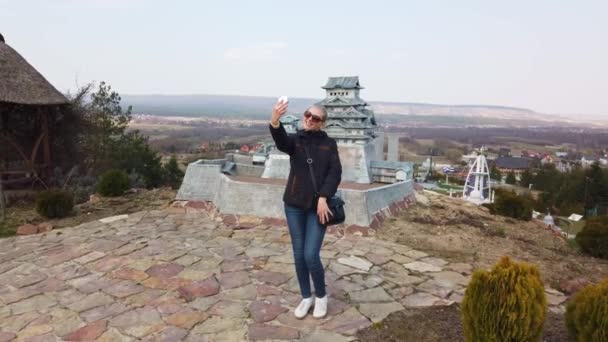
[186, 319]
[421, 267]
[102, 312]
[356, 262]
[91, 301]
[264, 311]
[320, 335]
[247, 292]
[37, 302]
[34, 330]
[167, 270]
[170, 333]
[202, 288]
[229, 309]
[450, 278]
[259, 331]
[348, 322]
[216, 324]
[138, 323]
[373, 295]
[414, 254]
[420, 299]
[434, 261]
[89, 332]
[6, 336]
[376, 312]
[113, 335]
[233, 279]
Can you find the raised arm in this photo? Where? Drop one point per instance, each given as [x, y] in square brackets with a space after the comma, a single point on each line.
[284, 142]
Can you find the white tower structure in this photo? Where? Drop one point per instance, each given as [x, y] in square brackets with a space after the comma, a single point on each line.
[477, 186]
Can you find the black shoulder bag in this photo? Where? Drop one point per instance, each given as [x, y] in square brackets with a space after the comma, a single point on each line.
[335, 204]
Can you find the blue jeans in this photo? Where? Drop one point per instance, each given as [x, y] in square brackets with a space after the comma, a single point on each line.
[307, 238]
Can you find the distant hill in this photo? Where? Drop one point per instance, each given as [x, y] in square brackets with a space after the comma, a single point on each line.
[258, 107]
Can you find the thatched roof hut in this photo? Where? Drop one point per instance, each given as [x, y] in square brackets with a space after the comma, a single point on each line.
[28, 105]
[21, 83]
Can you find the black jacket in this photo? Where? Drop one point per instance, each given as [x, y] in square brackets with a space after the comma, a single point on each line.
[326, 164]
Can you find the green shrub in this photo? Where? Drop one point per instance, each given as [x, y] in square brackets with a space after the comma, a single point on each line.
[593, 238]
[54, 203]
[509, 204]
[172, 174]
[587, 313]
[113, 183]
[506, 304]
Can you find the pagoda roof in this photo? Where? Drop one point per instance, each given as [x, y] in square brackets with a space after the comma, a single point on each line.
[340, 101]
[351, 113]
[343, 82]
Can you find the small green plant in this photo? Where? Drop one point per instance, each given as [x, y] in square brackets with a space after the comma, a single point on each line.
[506, 304]
[510, 204]
[54, 203]
[587, 313]
[172, 174]
[593, 238]
[113, 183]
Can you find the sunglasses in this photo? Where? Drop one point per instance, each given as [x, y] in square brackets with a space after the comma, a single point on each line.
[314, 118]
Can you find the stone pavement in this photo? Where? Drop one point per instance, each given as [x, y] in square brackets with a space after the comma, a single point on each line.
[164, 276]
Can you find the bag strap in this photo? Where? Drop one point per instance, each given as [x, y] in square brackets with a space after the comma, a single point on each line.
[312, 173]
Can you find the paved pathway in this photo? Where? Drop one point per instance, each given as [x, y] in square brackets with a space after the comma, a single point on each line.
[159, 276]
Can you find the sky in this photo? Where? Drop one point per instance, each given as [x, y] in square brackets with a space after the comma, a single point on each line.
[547, 55]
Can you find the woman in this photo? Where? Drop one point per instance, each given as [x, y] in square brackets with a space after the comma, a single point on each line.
[307, 212]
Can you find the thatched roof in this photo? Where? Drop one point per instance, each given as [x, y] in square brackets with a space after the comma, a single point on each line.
[21, 83]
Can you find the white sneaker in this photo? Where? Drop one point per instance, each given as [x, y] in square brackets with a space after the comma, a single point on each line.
[320, 307]
[302, 310]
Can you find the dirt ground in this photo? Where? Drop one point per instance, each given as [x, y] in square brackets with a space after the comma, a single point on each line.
[460, 231]
[441, 323]
[135, 200]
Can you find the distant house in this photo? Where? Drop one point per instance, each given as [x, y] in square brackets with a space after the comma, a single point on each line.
[245, 149]
[512, 164]
[561, 154]
[504, 152]
[603, 161]
[587, 160]
[547, 159]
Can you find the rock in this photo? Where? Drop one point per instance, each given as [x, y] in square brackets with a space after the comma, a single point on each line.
[264, 311]
[27, 229]
[555, 299]
[348, 323]
[7, 336]
[431, 286]
[202, 288]
[45, 227]
[186, 319]
[217, 324]
[450, 279]
[376, 312]
[87, 258]
[89, 332]
[259, 331]
[91, 301]
[94, 199]
[421, 199]
[414, 254]
[421, 267]
[113, 218]
[273, 278]
[356, 262]
[319, 335]
[571, 286]
[229, 309]
[165, 270]
[460, 268]
[234, 279]
[434, 261]
[422, 299]
[373, 295]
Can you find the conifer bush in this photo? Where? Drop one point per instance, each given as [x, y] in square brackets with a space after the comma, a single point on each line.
[54, 203]
[593, 238]
[587, 313]
[505, 304]
[113, 183]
